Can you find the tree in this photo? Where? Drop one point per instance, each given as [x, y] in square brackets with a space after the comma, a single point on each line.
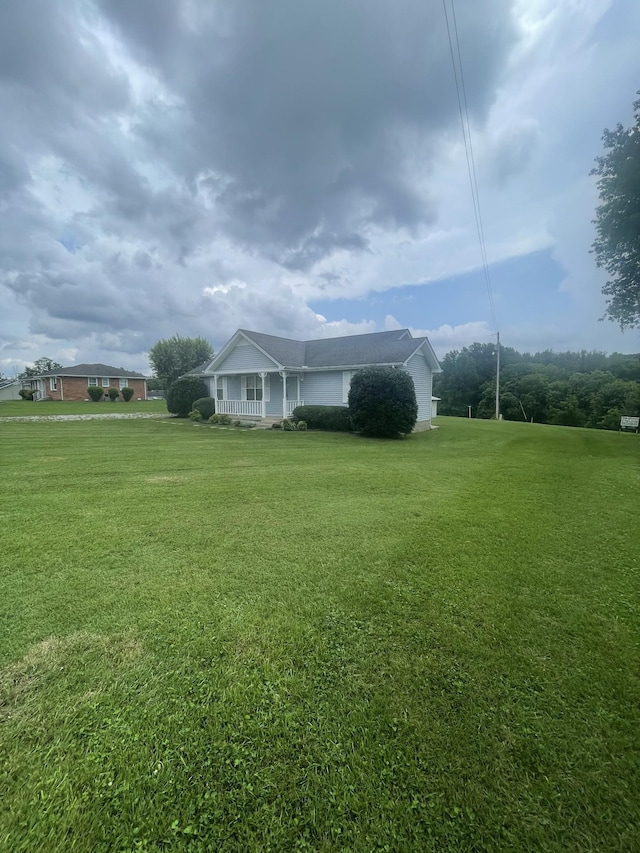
[382, 402]
[41, 365]
[617, 244]
[173, 357]
[183, 393]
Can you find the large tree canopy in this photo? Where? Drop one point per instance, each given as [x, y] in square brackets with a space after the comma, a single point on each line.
[173, 357]
[617, 245]
[39, 366]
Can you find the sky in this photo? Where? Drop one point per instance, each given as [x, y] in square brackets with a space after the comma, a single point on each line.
[298, 169]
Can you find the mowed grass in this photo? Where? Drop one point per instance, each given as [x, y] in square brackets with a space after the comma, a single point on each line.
[43, 408]
[242, 640]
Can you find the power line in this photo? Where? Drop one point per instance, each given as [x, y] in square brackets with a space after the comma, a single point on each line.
[463, 109]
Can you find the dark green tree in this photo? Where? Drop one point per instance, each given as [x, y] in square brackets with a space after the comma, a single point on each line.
[173, 357]
[617, 243]
[382, 402]
[183, 393]
[39, 366]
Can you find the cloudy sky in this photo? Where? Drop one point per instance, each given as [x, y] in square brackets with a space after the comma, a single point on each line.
[297, 167]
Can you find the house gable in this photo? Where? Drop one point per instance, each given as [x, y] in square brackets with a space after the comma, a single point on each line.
[242, 355]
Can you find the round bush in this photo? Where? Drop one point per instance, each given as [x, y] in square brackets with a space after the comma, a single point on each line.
[113, 393]
[127, 393]
[382, 402]
[183, 393]
[95, 392]
[206, 406]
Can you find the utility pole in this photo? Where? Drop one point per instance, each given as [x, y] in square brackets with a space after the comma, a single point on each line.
[498, 377]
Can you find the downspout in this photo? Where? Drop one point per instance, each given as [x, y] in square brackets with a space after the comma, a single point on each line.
[61, 388]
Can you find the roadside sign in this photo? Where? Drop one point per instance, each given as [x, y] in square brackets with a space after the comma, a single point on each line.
[629, 423]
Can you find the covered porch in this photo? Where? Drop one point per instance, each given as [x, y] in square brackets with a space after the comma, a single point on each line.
[256, 395]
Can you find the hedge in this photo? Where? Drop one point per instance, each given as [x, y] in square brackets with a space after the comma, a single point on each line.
[332, 418]
[206, 406]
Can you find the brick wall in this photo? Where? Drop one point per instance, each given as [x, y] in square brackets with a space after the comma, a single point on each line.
[75, 388]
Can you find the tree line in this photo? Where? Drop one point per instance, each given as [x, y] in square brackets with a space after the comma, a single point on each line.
[585, 389]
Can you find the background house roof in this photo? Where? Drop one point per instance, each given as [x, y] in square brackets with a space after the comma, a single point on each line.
[92, 370]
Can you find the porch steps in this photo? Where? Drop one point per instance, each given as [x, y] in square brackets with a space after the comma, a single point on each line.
[267, 423]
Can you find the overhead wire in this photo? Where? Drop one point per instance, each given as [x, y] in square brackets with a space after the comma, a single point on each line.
[463, 109]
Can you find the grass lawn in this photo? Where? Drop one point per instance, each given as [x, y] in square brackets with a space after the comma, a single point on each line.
[27, 408]
[236, 640]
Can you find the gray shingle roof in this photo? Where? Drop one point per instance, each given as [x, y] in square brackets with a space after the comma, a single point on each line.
[93, 370]
[353, 350]
[198, 370]
[285, 351]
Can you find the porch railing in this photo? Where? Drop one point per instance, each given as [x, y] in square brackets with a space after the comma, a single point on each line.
[239, 407]
[292, 404]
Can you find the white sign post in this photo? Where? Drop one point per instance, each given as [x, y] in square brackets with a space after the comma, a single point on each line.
[629, 423]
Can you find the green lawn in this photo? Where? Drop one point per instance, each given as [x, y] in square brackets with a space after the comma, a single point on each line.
[236, 640]
[26, 408]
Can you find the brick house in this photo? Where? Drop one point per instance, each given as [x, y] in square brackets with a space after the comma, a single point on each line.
[71, 383]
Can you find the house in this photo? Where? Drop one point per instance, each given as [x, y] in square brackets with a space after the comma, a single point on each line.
[71, 383]
[256, 375]
[9, 389]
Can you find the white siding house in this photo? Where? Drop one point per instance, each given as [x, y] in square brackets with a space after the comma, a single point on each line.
[260, 376]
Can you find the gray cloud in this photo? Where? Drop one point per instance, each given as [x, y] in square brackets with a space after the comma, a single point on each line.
[146, 147]
[301, 116]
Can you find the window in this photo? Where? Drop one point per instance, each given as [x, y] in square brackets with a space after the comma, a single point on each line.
[123, 384]
[105, 381]
[252, 387]
[93, 380]
[221, 388]
[53, 383]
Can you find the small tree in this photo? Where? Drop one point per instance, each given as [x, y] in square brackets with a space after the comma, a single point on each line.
[382, 402]
[40, 365]
[113, 393]
[95, 392]
[173, 357]
[26, 393]
[127, 393]
[183, 393]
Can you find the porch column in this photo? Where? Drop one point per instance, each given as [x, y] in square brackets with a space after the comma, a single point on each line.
[214, 391]
[264, 394]
[284, 393]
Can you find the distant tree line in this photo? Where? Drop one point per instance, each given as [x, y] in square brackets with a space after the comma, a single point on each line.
[586, 389]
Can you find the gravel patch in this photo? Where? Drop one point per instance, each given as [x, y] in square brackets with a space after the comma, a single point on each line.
[110, 417]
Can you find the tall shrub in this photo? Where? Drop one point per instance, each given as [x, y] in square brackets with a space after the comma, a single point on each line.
[127, 393]
[183, 393]
[113, 393]
[382, 402]
[95, 392]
